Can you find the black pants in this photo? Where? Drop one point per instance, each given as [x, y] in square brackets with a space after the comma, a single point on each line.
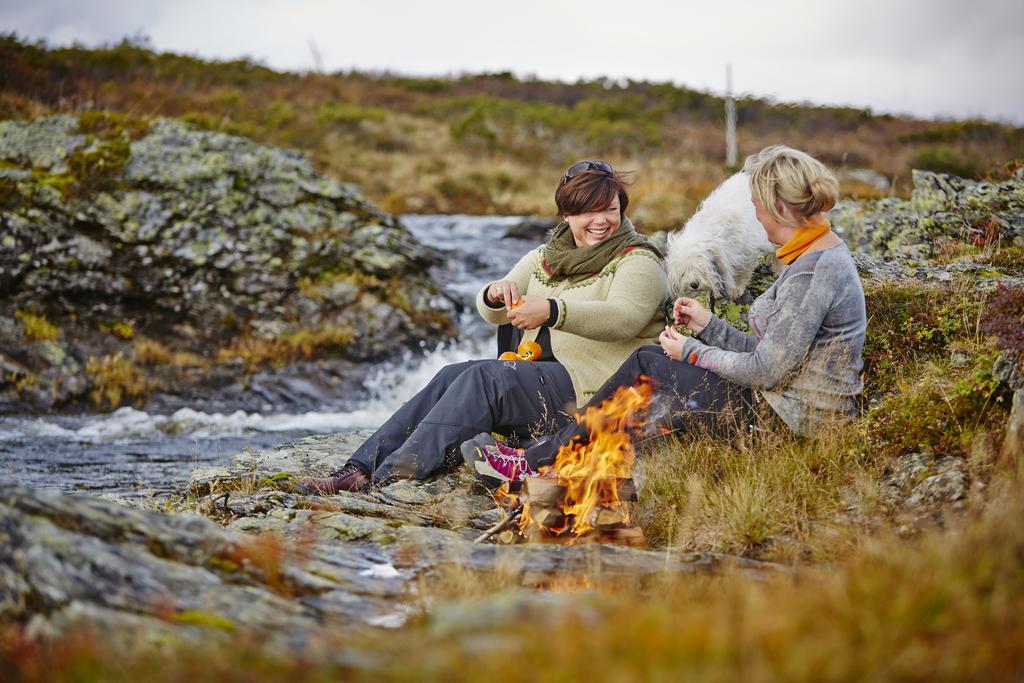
[423, 437]
[685, 398]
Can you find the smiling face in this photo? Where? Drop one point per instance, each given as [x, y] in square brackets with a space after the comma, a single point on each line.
[592, 227]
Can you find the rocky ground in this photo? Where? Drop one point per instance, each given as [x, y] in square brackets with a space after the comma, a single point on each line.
[255, 555]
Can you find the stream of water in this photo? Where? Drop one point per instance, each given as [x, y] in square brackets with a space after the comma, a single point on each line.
[133, 452]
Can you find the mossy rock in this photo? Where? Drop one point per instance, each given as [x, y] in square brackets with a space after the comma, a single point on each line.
[202, 240]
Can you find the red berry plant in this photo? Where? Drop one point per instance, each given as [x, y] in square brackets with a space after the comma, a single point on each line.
[1004, 320]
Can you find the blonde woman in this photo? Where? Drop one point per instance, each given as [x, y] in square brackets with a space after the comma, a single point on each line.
[804, 358]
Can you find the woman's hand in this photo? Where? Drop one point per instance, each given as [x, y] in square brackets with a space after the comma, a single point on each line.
[672, 342]
[502, 292]
[690, 313]
[530, 314]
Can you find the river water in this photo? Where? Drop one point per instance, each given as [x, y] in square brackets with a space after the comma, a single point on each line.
[133, 452]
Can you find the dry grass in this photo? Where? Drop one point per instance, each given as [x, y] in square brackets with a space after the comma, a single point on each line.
[115, 378]
[768, 494]
[151, 352]
[287, 348]
[860, 599]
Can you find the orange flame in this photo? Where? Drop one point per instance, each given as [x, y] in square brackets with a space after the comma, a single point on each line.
[504, 498]
[590, 472]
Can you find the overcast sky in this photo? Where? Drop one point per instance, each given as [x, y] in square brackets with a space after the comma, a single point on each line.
[930, 58]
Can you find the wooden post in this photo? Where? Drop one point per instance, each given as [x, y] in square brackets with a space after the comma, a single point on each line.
[318, 61]
[731, 153]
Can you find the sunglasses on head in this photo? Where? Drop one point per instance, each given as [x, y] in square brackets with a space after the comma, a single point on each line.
[581, 166]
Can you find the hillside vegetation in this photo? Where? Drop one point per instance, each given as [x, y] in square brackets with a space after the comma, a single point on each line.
[490, 143]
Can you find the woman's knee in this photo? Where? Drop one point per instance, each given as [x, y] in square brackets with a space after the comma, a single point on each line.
[450, 373]
[482, 374]
[634, 363]
[652, 361]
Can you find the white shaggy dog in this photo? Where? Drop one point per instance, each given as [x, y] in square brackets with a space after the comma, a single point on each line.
[718, 248]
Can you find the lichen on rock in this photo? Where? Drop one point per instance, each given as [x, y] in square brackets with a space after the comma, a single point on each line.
[201, 240]
[942, 208]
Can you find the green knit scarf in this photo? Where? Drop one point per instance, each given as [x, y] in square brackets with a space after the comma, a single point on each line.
[563, 259]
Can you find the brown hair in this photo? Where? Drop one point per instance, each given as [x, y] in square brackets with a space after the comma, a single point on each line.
[591, 190]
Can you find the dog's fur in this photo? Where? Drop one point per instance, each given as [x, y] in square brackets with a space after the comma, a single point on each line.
[718, 248]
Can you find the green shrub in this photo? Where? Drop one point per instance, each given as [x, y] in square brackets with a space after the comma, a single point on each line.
[207, 121]
[1008, 259]
[911, 321]
[424, 85]
[972, 129]
[474, 130]
[941, 412]
[946, 160]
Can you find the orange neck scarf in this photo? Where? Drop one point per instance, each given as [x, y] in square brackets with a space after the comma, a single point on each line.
[805, 236]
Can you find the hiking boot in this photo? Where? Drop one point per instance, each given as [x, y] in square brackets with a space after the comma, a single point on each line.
[494, 463]
[348, 478]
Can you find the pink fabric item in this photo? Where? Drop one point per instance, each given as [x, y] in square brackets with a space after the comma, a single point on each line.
[508, 461]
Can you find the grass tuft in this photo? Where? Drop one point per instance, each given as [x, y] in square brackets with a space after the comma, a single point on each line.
[114, 379]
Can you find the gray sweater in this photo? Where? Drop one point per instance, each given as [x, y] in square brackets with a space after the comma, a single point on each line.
[805, 356]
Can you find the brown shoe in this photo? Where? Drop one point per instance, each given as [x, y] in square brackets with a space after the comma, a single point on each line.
[348, 478]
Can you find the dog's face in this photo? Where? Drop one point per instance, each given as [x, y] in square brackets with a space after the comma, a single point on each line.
[695, 273]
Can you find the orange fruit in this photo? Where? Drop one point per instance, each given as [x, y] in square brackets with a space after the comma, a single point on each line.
[529, 350]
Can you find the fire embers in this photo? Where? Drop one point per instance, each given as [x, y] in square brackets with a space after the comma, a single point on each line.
[584, 495]
[545, 519]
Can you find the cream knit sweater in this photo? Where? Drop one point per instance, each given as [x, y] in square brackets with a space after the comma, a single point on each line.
[601, 320]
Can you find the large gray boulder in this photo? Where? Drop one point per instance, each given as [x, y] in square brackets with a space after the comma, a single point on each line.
[114, 230]
[942, 208]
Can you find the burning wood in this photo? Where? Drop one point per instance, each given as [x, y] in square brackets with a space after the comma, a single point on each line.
[583, 496]
[546, 498]
[609, 518]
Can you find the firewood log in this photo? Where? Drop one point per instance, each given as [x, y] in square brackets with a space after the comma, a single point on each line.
[548, 517]
[542, 492]
[609, 518]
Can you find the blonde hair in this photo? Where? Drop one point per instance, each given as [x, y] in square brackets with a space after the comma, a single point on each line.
[795, 178]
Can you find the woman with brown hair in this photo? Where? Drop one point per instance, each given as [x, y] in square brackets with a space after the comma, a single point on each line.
[588, 297]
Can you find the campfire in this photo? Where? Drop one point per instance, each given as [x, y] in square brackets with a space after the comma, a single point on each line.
[584, 495]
